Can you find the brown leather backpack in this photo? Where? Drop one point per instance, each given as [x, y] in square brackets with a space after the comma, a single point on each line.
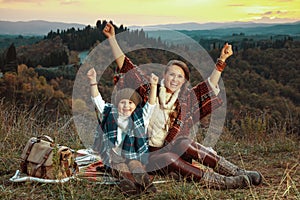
[43, 159]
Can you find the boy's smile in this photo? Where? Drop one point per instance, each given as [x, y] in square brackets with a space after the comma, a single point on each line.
[126, 107]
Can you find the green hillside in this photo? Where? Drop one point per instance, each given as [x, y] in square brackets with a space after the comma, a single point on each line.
[261, 80]
[261, 130]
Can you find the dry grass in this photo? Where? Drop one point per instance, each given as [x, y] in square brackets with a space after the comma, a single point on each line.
[275, 156]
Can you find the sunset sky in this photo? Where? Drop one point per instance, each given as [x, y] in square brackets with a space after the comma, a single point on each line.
[150, 12]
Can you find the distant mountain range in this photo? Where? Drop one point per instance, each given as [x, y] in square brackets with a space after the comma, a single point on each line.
[35, 27]
[209, 26]
[40, 27]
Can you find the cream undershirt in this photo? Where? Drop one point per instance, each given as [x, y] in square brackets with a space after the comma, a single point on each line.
[158, 125]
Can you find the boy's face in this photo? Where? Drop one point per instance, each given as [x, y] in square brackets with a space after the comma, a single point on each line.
[126, 107]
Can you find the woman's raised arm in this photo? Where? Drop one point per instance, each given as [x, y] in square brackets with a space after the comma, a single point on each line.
[109, 32]
[226, 52]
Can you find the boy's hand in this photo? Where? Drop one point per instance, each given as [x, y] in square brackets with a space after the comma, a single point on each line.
[109, 30]
[92, 74]
[154, 79]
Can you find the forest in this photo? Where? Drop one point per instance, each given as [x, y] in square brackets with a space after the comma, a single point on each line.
[262, 79]
[261, 130]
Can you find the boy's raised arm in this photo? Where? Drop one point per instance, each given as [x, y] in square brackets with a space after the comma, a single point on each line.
[153, 89]
[92, 76]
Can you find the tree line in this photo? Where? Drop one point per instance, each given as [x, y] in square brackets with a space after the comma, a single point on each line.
[262, 82]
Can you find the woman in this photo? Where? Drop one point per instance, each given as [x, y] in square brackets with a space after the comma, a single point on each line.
[176, 111]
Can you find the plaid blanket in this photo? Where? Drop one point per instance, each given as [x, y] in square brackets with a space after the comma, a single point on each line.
[91, 168]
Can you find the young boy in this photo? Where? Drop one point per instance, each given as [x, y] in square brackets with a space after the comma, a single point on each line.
[123, 144]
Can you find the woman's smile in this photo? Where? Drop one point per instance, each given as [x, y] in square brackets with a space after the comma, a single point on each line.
[174, 78]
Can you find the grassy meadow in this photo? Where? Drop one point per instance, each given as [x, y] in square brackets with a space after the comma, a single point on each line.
[275, 155]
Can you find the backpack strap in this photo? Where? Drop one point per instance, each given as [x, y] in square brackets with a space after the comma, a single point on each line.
[32, 142]
[24, 163]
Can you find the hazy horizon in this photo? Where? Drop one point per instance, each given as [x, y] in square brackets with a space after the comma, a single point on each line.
[167, 23]
[154, 12]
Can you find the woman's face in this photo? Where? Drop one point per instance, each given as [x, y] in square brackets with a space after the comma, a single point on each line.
[174, 78]
[126, 107]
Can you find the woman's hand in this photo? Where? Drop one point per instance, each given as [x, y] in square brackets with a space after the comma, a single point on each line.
[226, 52]
[109, 30]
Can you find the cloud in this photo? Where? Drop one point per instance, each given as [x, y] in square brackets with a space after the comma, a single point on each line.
[68, 2]
[19, 1]
[284, 0]
[281, 12]
[268, 13]
[274, 20]
[278, 12]
[63, 2]
[236, 5]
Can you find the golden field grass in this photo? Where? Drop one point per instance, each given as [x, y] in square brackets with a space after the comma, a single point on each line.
[276, 156]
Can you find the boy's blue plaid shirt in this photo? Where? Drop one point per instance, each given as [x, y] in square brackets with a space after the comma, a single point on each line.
[135, 145]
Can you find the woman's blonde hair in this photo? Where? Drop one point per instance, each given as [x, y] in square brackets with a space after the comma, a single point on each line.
[180, 64]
